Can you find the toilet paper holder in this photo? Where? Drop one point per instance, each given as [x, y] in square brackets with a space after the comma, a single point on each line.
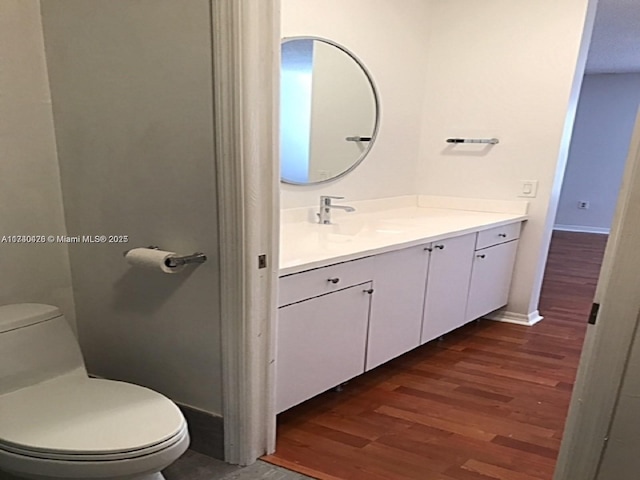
[178, 261]
[186, 259]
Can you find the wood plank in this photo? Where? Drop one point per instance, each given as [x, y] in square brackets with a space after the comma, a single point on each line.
[526, 446]
[497, 472]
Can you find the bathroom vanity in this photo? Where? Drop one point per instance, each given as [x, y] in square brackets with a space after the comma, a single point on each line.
[374, 285]
[358, 289]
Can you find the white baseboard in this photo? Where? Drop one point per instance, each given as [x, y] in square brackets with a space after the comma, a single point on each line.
[582, 229]
[513, 317]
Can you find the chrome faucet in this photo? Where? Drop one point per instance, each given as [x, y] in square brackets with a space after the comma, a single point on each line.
[324, 217]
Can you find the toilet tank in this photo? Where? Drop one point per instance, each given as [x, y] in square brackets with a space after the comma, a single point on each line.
[36, 344]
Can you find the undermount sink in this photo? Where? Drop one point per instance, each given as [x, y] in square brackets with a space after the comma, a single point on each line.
[362, 227]
[365, 230]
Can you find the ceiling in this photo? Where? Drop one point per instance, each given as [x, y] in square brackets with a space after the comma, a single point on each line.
[615, 45]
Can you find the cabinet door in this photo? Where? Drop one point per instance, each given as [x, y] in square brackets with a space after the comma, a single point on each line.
[447, 286]
[491, 279]
[321, 343]
[396, 306]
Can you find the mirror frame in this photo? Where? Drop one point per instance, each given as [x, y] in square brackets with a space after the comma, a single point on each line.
[376, 99]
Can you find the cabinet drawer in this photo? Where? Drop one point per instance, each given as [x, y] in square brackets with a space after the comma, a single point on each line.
[312, 283]
[497, 235]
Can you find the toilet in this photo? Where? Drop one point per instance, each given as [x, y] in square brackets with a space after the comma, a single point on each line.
[57, 423]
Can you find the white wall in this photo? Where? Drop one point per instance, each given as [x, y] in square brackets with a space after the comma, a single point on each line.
[462, 69]
[388, 37]
[604, 124]
[29, 180]
[132, 101]
[503, 69]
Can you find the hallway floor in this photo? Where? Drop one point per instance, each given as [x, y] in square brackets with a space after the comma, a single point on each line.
[488, 402]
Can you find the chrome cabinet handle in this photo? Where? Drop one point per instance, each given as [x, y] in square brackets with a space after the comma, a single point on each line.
[428, 249]
[503, 235]
[368, 290]
[440, 247]
[333, 280]
[481, 255]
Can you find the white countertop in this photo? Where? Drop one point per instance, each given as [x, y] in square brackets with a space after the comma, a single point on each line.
[305, 245]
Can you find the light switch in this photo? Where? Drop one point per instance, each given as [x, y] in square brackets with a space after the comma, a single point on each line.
[528, 188]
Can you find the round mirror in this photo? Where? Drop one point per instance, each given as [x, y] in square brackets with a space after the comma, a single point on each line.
[328, 111]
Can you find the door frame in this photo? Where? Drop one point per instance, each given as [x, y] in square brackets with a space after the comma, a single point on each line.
[245, 48]
[246, 51]
[608, 343]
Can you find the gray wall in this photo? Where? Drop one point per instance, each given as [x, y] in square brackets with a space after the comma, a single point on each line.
[29, 181]
[132, 102]
[604, 123]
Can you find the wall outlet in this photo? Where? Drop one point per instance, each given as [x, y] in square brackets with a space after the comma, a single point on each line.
[583, 205]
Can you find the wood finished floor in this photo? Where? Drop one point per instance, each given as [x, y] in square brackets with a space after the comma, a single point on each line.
[488, 402]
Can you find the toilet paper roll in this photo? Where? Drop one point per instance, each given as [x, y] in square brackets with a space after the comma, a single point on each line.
[151, 259]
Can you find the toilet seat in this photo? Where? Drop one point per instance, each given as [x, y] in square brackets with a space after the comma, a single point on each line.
[96, 457]
[138, 467]
[75, 418]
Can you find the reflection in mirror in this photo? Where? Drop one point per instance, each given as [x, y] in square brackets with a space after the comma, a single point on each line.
[328, 111]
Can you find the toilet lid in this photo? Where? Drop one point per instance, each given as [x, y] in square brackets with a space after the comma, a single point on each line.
[25, 314]
[78, 415]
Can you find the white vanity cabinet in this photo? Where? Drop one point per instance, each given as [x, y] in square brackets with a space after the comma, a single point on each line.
[396, 309]
[338, 321]
[447, 286]
[322, 330]
[493, 263]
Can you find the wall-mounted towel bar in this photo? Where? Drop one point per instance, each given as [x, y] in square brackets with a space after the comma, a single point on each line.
[491, 141]
[358, 139]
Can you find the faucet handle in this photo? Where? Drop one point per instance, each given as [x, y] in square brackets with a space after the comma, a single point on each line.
[325, 200]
